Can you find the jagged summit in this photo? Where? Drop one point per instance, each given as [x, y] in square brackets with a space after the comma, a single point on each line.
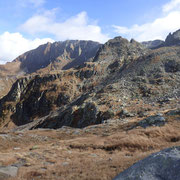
[119, 48]
[64, 55]
[173, 39]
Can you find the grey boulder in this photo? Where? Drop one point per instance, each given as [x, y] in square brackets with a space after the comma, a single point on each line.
[163, 165]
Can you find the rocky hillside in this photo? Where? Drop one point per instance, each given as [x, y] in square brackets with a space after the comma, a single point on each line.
[46, 58]
[73, 86]
[121, 75]
[100, 116]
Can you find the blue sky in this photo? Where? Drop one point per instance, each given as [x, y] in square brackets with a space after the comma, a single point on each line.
[25, 24]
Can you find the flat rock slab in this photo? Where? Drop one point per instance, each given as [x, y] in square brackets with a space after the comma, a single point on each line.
[164, 165]
[8, 171]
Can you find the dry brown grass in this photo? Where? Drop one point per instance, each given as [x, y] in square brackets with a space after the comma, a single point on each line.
[97, 152]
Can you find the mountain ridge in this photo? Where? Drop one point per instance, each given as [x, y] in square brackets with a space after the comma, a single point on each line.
[140, 73]
[102, 115]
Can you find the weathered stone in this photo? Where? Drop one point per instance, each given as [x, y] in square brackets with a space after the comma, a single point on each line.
[8, 171]
[126, 113]
[157, 120]
[162, 165]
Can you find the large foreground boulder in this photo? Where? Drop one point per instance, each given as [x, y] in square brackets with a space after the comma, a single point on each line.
[162, 165]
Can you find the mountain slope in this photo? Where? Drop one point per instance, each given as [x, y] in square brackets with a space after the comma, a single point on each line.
[101, 116]
[122, 74]
[46, 58]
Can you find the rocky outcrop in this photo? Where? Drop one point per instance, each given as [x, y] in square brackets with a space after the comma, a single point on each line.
[173, 39]
[162, 165]
[36, 96]
[9, 171]
[119, 49]
[156, 120]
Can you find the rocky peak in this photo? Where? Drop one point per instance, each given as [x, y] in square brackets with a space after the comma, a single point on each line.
[173, 39]
[63, 53]
[119, 48]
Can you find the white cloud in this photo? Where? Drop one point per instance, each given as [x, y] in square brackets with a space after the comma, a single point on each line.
[172, 5]
[76, 27]
[14, 44]
[35, 3]
[159, 28]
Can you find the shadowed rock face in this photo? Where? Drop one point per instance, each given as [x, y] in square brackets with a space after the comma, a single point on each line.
[162, 165]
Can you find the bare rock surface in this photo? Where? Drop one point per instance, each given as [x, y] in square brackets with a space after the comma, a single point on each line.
[9, 170]
[162, 165]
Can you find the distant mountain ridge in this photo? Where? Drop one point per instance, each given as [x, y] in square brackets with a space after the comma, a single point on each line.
[152, 44]
[65, 54]
[173, 39]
